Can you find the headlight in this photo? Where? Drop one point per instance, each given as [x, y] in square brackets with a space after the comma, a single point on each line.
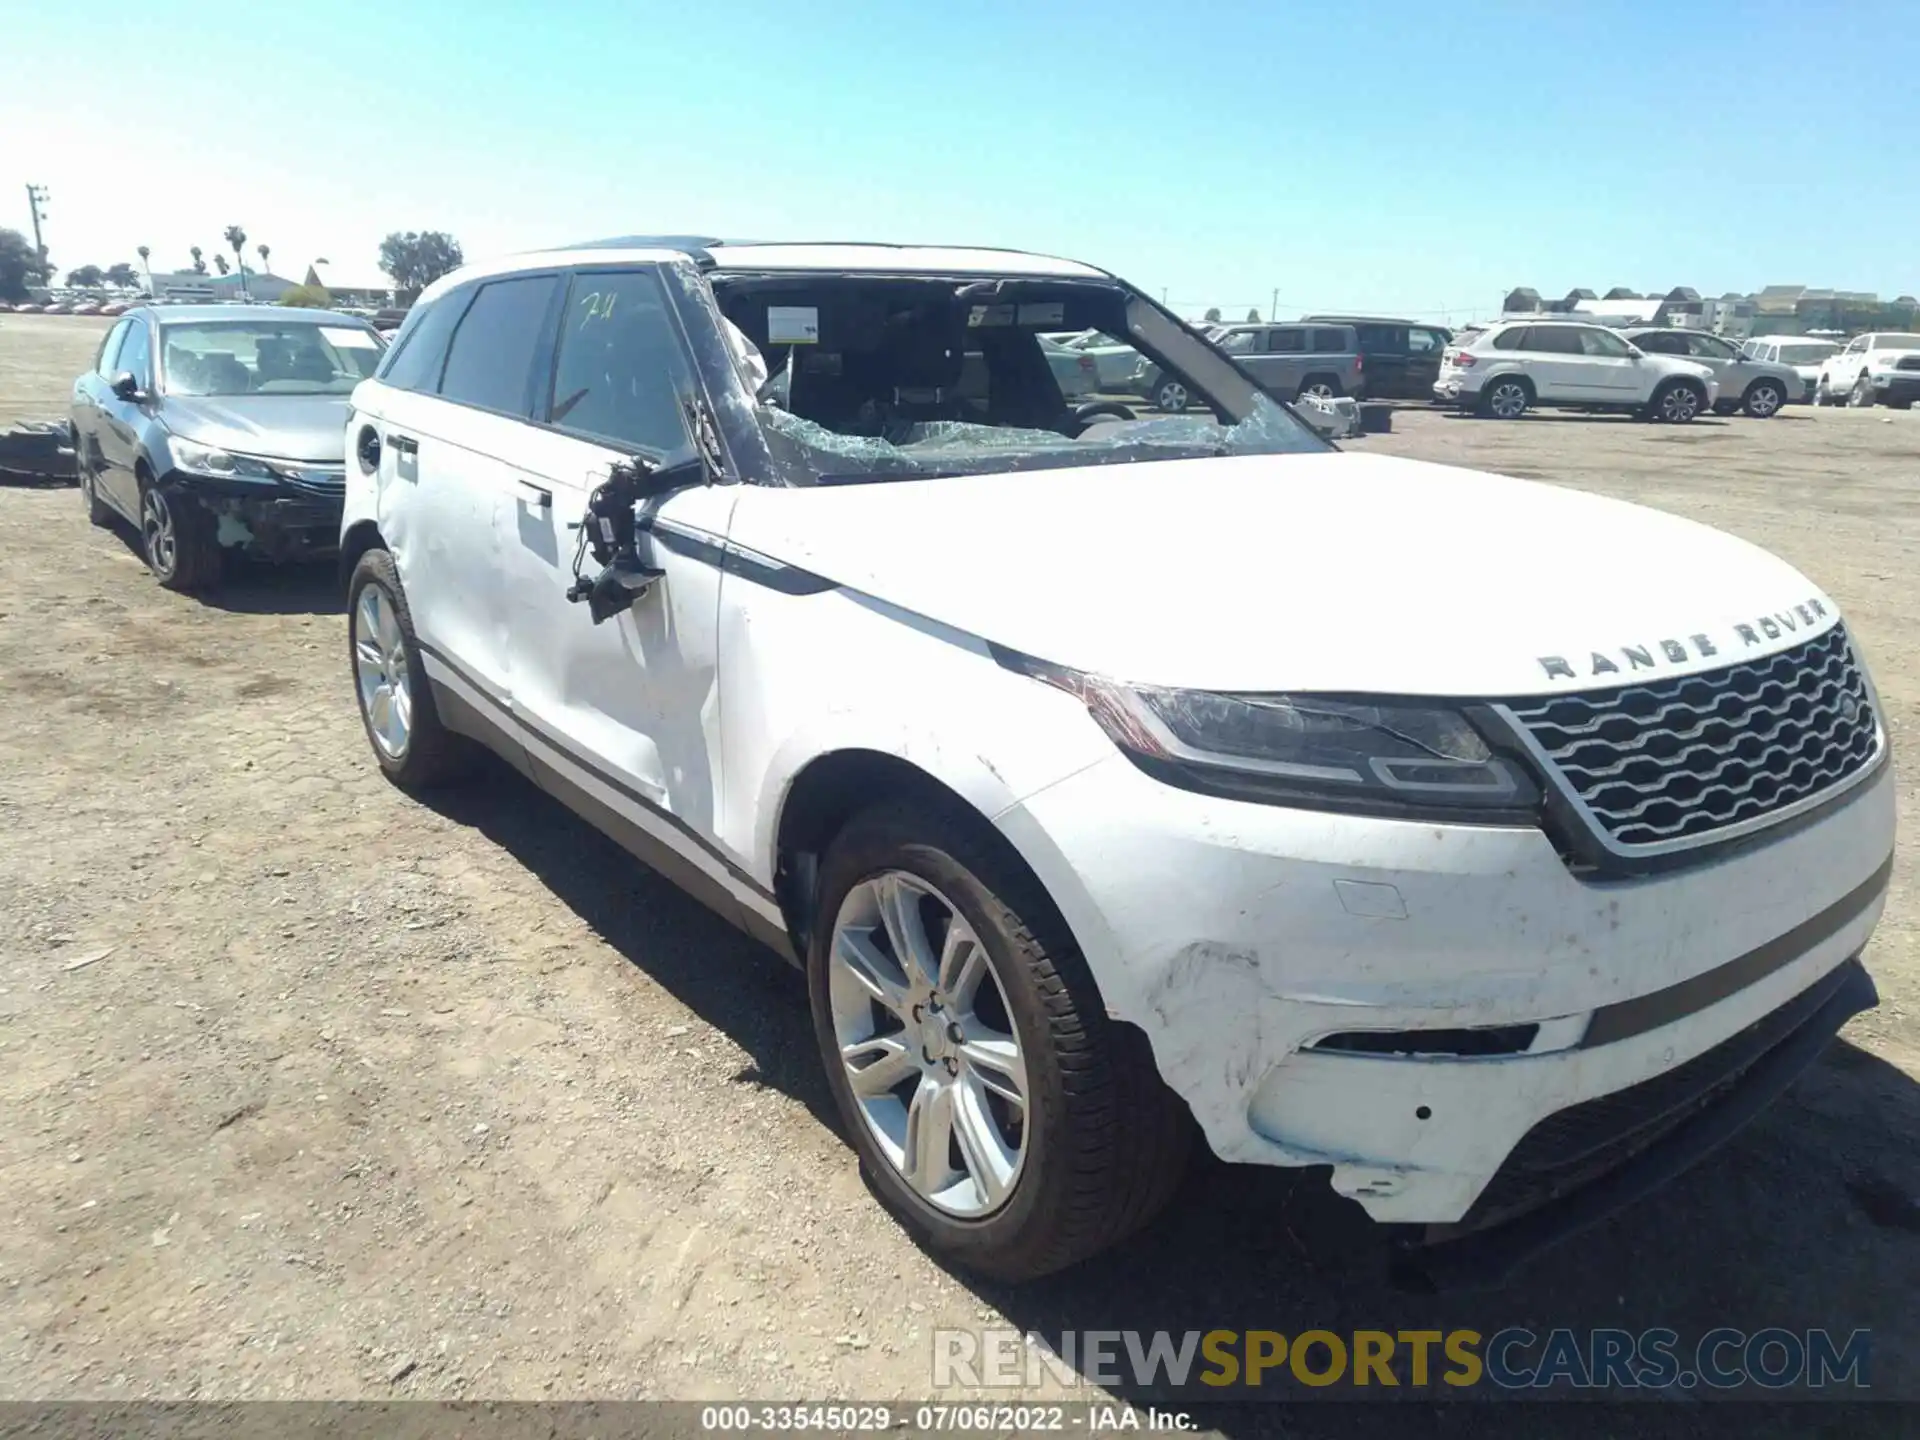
[222, 464]
[1372, 756]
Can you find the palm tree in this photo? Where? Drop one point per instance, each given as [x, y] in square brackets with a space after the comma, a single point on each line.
[237, 238]
[264, 250]
[143, 252]
[220, 264]
[199, 265]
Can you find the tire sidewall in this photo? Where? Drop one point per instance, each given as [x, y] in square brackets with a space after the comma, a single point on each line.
[382, 573]
[867, 849]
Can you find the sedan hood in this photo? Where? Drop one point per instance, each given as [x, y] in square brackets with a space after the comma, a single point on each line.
[1333, 572]
[279, 427]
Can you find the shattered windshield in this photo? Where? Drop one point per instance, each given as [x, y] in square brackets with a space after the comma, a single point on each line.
[873, 378]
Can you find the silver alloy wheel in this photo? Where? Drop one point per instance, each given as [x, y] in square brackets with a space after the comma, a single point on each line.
[1171, 396]
[1861, 396]
[1508, 400]
[1679, 403]
[157, 532]
[380, 672]
[928, 1042]
[1764, 400]
[1320, 388]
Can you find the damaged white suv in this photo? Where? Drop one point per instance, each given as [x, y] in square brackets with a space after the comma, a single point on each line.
[1114, 776]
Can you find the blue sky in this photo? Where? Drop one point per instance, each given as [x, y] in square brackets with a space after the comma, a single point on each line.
[1392, 156]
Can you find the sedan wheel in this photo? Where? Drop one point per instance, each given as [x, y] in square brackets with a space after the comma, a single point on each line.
[928, 1044]
[159, 535]
[97, 511]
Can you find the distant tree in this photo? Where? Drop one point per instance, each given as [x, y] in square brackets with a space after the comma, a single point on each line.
[20, 266]
[265, 251]
[146, 264]
[87, 277]
[123, 275]
[199, 264]
[237, 239]
[1213, 316]
[1253, 316]
[220, 264]
[308, 297]
[415, 259]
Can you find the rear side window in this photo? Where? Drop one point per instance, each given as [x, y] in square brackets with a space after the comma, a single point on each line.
[1554, 340]
[621, 373]
[420, 353]
[1331, 342]
[1287, 342]
[1424, 342]
[1514, 339]
[110, 348]
[490, 362]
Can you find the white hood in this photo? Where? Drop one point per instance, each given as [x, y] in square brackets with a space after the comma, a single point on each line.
[1336, 572]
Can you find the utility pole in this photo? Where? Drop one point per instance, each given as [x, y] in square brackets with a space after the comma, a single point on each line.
[36, 200]
[1273, 308]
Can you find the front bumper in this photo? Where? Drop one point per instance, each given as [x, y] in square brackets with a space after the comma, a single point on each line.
[274, 519]
[1900, 387]
[1238, 936]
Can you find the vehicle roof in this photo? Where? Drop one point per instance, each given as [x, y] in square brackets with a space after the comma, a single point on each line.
[175, 314]
[1372, 320]
[825, 256]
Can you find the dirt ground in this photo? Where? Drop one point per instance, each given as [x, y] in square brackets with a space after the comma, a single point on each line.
[311, 1090]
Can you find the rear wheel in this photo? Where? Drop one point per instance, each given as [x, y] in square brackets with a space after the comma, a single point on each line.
[1171, 396]
[414, 748]
[999, 1114]
[1764, 399]
[98, 511]
[1506, 399]
[1324, 387]
[178, 536]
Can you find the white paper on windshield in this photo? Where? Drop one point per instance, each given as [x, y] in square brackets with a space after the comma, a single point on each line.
[793, 325]
[342, 338]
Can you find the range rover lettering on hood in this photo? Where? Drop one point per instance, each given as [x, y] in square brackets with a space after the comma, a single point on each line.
[1699, 645]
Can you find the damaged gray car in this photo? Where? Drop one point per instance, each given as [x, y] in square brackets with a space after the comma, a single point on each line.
[220, 428]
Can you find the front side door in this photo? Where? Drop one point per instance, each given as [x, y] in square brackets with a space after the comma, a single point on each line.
[1845, 367]
[1384, 349]
[120, 421]
[620, 719]
[1718, 356]
[1611, 371]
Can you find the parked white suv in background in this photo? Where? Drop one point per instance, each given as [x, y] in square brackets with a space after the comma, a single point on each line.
[1802, 354]
[1511, 367]
[1873, 369]
[1498, 847]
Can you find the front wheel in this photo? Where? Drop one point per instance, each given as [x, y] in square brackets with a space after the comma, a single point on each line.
[1000, 1115]
[1764, 399]
[1677, 403]
[178, 537]
[1861, 396]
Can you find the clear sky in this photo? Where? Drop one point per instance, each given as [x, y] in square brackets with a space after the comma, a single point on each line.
[1401, 155]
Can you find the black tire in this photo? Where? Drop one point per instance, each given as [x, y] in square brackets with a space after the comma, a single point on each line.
[1726, 407]
[1861, 396]
[1327, 385]
[1668, 405]
[1106, 1141]
[431, 754]
[177, 536]
[1764, 399]
[1899, 404]
[1823, 394]
[99, 513]
[1507, 398]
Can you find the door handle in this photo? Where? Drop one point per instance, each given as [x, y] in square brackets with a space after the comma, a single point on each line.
[537, 496]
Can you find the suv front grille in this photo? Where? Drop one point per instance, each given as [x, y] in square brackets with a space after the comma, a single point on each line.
[1911, 362]
[1678, 762]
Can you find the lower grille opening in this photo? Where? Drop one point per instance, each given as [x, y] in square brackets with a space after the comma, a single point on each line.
[1486, 1040]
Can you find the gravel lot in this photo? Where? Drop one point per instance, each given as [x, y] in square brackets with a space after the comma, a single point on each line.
[315, 1091]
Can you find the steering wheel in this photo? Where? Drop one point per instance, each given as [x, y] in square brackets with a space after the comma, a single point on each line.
[1084, 415]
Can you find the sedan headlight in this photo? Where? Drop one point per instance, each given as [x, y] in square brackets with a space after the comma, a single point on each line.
[1363, 754]
[221, 464]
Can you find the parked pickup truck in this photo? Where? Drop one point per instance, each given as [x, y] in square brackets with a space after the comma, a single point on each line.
[1881, 369]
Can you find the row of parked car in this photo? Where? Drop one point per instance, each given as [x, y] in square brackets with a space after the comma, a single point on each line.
[68, 307]
[1107, 806]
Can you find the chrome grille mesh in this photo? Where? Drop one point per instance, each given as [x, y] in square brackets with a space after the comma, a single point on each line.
[1674, 762]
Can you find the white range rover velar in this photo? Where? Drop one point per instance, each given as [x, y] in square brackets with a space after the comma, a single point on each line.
[1120, 776]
